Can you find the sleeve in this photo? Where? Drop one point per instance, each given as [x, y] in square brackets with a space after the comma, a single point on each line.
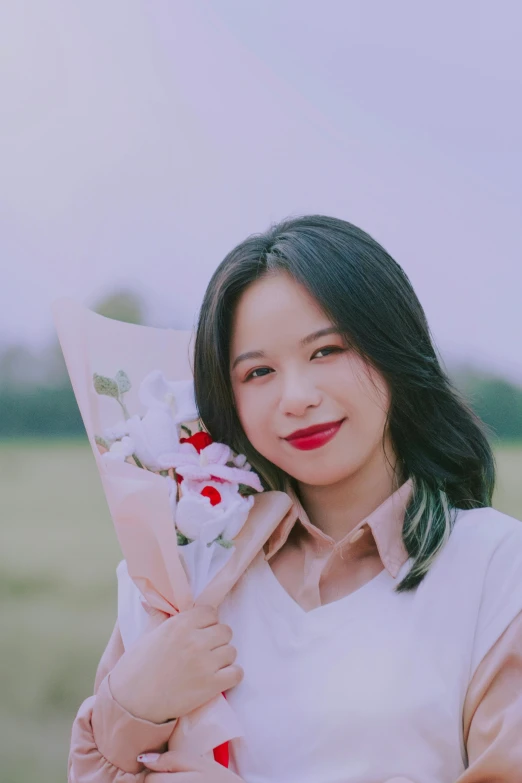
[501, 599]
[133, 615]
[492, 713]
[105, 738]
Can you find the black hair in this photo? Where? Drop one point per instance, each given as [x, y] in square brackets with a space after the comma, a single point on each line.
[440, 442]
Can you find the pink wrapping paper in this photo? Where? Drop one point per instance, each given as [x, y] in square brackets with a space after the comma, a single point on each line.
[138, 499]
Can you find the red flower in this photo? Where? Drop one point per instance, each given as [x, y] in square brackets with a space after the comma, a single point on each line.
[212, 494]
[200, 440]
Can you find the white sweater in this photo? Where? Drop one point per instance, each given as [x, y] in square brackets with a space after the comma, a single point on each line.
[371, 686]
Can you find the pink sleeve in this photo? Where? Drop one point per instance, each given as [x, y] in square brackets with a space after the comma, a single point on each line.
[105, 738]
[493, 712]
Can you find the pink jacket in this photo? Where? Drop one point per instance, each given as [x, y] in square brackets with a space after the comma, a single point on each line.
[106, 739]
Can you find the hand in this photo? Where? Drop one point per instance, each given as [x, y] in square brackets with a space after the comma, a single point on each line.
[188, 768]
[178, 666]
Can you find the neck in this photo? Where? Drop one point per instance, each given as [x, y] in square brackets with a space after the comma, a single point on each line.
[338, 508]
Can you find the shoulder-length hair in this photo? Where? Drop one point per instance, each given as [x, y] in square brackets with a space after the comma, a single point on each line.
[439, 441]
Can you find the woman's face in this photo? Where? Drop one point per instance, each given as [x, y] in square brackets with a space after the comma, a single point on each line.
[295, 381]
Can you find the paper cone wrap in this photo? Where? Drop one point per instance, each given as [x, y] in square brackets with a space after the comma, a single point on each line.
[138, 499]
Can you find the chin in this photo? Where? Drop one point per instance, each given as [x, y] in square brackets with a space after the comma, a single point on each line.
[318, 476]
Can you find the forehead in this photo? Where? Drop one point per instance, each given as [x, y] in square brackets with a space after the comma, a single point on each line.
[276, 304]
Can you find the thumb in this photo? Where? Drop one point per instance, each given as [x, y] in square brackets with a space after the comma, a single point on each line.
[172, 761]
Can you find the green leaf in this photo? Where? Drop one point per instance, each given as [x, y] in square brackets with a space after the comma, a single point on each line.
[123, 381]
[245, 490]
[182, 540]
[186, 429]
[105, 386]
[102, 442]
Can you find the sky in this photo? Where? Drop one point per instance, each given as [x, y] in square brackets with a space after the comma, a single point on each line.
[141, 141]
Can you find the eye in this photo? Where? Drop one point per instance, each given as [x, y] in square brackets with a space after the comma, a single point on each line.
[331, 348]
[334, 348]
[259, 369]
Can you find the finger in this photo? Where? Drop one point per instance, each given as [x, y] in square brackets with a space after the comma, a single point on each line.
[215, 636]
[172, 761]
[229, 676]
[223, 656]
[156, 617]
[204, 616]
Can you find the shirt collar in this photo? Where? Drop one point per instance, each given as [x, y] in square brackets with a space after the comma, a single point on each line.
[385, 522]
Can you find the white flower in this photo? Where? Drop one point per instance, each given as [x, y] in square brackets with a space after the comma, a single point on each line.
[198, 518]
[153, 435]
[120, 450]
[116, 432]
[174, 397]
[241, 462]
[209, 463]
[169, 404]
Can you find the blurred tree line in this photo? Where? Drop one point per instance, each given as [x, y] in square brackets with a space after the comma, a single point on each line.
[36, 398]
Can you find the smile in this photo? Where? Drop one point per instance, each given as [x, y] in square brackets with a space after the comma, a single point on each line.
[315, 439]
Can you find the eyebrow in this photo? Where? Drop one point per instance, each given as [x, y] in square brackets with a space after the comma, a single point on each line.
[305, 341]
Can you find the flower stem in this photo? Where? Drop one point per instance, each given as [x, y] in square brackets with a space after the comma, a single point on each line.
[224, 542]
[124, 408]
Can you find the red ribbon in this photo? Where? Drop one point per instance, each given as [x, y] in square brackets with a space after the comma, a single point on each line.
[221, 752]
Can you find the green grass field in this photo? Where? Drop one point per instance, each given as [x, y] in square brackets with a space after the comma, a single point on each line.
[58, 554]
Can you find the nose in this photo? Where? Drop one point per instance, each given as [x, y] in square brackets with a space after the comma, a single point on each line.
[298, 394]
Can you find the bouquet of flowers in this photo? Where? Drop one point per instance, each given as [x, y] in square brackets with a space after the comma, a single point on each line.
[190, 514]
[210, 488]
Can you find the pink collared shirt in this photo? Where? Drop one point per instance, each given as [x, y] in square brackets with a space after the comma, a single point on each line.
[314, 570]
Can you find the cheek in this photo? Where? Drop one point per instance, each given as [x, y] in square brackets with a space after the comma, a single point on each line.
[365, 396]
[252, 415]
[373, 403]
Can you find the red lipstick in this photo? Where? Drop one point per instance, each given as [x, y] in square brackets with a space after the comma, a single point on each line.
[315, 436]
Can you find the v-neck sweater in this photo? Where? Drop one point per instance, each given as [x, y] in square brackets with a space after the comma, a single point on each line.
[372, 685]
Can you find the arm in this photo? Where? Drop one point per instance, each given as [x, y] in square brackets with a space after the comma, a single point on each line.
[105, 738]
[493, 712]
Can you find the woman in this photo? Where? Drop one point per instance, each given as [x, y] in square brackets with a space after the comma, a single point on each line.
[378, 636]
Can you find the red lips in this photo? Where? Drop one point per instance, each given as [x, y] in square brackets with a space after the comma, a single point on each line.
[312, 430]
[314, 437]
